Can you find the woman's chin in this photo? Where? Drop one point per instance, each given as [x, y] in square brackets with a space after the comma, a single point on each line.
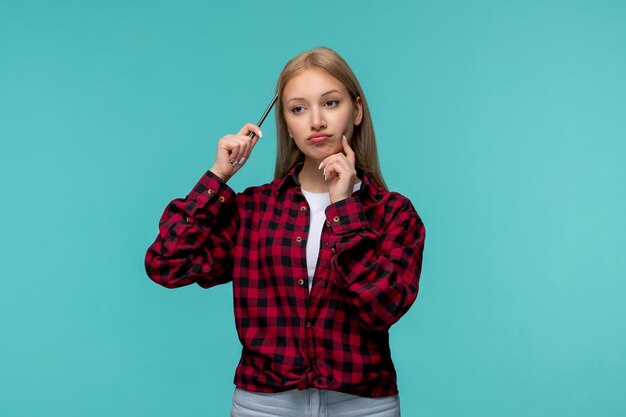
[323, 152]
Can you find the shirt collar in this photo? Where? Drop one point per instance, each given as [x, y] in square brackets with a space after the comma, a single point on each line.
[368, 185]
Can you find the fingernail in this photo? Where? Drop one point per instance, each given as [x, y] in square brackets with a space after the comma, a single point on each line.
[242, 159]
[324, 172]
[321, 163]
[260, 134]
[344, 137]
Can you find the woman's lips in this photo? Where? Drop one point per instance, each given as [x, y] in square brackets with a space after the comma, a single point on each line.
[318, 138]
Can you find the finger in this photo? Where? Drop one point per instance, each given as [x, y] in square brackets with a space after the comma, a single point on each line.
[339, 166]
[330, 158]
[251, 143]
[333, 169]
[234, 152]
[243, 145]
[235, 145]
[227, 146]
[348, 150]
[247, 149]
[250, 128]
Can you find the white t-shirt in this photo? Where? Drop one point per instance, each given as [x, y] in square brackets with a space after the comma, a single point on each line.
[317, 204]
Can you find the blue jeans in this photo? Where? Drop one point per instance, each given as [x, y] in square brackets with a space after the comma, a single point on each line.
[312, 403]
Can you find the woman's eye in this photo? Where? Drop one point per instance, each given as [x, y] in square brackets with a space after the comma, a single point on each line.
[296, 109]
[332, 103]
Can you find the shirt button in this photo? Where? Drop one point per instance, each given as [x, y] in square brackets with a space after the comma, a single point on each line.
[327, 223]
[336, 219]
[326, 243]
[187, 219]
[210, 191]
[333, 250]
[303, 208]
[307, 324]
[301, 282]
[298, 239]
[221, 199]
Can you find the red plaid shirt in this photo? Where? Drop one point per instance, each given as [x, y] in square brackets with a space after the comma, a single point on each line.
[366, 278]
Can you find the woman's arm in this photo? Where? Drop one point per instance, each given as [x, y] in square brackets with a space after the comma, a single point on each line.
[197, 236]
[379, 270]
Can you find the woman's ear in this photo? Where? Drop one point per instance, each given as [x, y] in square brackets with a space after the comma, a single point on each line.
[358, 111]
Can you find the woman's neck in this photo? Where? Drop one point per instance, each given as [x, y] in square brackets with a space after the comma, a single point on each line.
[311, 178]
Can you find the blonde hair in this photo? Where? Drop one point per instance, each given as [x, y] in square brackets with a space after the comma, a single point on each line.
[363, 141]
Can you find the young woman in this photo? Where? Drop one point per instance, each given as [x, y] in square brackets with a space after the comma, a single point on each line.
[323, 260]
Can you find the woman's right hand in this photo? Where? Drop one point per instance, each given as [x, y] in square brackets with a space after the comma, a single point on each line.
[234, 150]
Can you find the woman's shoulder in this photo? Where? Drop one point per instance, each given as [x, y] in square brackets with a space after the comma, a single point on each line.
[271, 188]
[399, 201]
[267, 189]
[384, 196]
[392, 202]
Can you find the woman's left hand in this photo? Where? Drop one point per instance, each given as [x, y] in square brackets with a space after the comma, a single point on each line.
[340, 173]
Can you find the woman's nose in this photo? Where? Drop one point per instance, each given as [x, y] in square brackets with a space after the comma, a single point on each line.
[317, 119]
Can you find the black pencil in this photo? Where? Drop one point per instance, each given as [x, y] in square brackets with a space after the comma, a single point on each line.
[251, 134]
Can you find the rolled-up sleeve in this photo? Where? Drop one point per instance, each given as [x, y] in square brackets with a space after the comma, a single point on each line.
[196, 238]
[378, 269]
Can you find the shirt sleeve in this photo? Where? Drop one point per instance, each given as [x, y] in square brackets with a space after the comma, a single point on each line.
[197, 236]
[378, 269]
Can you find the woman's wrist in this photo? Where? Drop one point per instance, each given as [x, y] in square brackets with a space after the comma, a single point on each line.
[223, 177]
[336, 198]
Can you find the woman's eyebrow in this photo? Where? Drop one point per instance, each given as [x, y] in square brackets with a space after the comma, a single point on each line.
[303, 99]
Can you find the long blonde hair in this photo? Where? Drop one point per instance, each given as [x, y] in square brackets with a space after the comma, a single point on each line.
[363, 141]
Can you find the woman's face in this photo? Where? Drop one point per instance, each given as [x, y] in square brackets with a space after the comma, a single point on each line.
[318, 111]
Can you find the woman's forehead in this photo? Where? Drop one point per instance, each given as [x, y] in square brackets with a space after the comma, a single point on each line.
[312, 82]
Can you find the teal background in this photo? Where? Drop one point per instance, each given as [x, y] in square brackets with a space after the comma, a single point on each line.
[503, 121]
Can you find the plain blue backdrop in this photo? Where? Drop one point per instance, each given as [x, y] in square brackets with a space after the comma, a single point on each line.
[503, 121]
